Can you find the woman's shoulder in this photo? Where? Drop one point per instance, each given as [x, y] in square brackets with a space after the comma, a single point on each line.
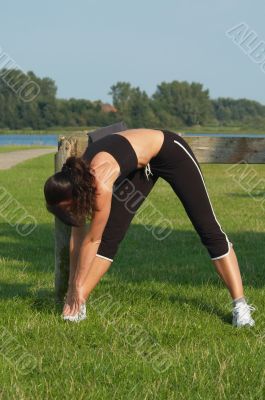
[104, 168]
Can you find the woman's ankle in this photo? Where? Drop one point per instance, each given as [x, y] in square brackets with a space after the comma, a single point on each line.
[239, 300]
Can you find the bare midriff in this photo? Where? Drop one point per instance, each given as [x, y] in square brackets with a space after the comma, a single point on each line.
[145, 142]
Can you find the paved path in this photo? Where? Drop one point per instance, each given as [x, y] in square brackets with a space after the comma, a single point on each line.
[8, 160]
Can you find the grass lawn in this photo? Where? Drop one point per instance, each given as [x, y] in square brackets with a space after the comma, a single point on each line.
[6, 149]
[196, 129]
[224, 129]
[159, 323]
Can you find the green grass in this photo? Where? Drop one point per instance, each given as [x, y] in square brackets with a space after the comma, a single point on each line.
[56, 129]
[224, 129]
[159, 323]
[7, 149]
[196, 129]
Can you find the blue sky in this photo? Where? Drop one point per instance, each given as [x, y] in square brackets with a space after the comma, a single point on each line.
[88, 45]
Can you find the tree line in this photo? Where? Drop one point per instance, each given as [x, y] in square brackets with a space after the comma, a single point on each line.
[173, 105]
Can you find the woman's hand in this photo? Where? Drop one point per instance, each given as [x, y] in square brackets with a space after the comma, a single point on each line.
[73, 301]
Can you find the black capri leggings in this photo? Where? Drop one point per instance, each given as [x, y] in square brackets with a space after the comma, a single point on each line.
[176, 164]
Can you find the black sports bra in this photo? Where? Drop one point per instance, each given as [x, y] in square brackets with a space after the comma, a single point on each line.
[120, 148]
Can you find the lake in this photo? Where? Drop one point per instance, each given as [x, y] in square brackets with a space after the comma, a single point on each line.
[52, 139]
[24, 139]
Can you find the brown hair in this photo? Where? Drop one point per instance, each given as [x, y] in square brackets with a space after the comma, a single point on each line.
[70, 193]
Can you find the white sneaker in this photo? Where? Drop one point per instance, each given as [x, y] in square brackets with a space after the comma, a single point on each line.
[77, 317]
[242, 315]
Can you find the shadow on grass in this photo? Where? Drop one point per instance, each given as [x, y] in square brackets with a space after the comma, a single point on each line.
[44, 301]
[201, 305]
[41, 300]
[180, 259]
[14, 290]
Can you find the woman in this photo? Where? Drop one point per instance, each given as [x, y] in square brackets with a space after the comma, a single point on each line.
[90, 185]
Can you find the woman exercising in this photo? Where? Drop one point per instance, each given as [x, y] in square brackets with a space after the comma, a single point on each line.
[95, 184]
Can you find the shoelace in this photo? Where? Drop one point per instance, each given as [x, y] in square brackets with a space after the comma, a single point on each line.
[251, 308]
[245, 308]
[148, 171]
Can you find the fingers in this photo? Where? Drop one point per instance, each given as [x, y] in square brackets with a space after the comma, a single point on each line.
[72, 304]
[71, 309]
[66, 309]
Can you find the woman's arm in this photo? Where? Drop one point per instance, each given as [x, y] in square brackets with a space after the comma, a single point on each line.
[105, 170]
[88, 250]
[90, 244]
[76, 239]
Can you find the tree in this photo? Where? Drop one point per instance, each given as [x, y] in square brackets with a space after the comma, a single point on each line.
[229, 110]
[173, 105]
[133, 105]
[188, 102]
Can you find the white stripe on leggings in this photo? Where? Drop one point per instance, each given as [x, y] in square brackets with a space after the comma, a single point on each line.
[105, 258]
[215, 258]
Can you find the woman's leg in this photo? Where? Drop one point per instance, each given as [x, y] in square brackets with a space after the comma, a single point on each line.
[177, 164]
[188, 183]
[228, 269]
[99, 267]
[126, 200]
